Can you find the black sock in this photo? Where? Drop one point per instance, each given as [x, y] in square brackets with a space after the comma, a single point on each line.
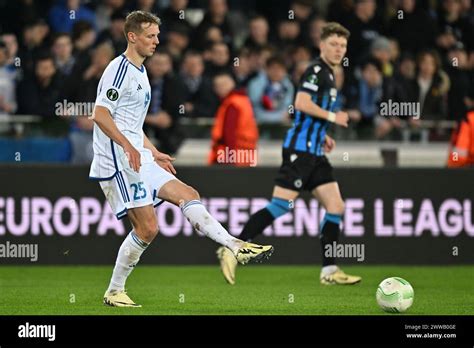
[329, 235]
[256, 224]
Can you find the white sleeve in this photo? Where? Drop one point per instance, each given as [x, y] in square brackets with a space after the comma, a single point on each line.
[113, 86]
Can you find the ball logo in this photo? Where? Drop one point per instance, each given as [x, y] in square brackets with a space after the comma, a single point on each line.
[112, 94]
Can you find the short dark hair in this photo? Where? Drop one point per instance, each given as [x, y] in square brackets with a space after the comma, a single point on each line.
[371, 61]
[79, 28]
[334, 28]
[223, 73]
[43, 55]
[134, 20]
[256, 17]
[275, 60]
[429, 52]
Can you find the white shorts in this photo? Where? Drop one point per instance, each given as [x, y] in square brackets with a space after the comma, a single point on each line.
[129, 189]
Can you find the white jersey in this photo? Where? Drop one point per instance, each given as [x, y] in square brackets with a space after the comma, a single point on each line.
[125, 91]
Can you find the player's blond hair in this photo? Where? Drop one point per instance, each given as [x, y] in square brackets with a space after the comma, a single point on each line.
[334, 28]
[134, 20]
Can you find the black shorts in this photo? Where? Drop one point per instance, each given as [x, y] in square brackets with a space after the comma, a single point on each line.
[305, 172]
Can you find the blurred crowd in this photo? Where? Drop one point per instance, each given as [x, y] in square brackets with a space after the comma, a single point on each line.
[399, 50]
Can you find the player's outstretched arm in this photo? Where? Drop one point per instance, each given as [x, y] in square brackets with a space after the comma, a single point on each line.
[304, 104]
[102, 118]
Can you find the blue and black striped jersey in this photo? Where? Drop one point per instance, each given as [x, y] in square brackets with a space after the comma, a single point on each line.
[308, 133]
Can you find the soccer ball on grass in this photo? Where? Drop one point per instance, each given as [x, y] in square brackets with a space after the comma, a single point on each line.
[395, 295]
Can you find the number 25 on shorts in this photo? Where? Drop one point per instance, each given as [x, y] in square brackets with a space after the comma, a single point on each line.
[139, 191]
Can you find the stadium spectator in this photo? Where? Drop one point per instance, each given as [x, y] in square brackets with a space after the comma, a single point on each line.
[413, 27]
[114, 33]
[65, 13]
[33, 43]
[453, 26]
[381, 50]
[81, 126]
[83, 38]
[394, 50]
[212, 35]
[104, 12]
[200, 100]
[303, 11]
[401, 88]
[431, 86]
[62, 52]
[315, 28]
[167, 99]
[216, 15]
[177, 42]
[11, 42]
[7, 83]
[288, 35]
[271, 92]
[262, 57]
[364, 27]
[258, 32]
[340, 11]
[299, 53]
[42, 90]
[461, 79]
[234, 125]
[145, 5]
[364, 96]
[219, 59]
[172, 15]
[243, 70]
[16, 15]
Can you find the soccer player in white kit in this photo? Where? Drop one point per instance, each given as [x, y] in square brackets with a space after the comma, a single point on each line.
[133, 174]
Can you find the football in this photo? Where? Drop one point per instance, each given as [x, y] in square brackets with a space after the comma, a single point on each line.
[395, 295]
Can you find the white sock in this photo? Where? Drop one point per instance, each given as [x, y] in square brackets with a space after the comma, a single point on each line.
[204, 223]
[329, 269]
[128, 256]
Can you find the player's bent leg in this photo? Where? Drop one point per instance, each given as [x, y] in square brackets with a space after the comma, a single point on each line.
[144, 222]
[187, 198]
[145, 229]
[329, 196]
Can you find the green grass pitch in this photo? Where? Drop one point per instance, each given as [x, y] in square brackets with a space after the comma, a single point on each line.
[201, 290]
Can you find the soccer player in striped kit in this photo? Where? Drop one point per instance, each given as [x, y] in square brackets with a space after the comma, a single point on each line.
[133, 174]
[305, 166]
